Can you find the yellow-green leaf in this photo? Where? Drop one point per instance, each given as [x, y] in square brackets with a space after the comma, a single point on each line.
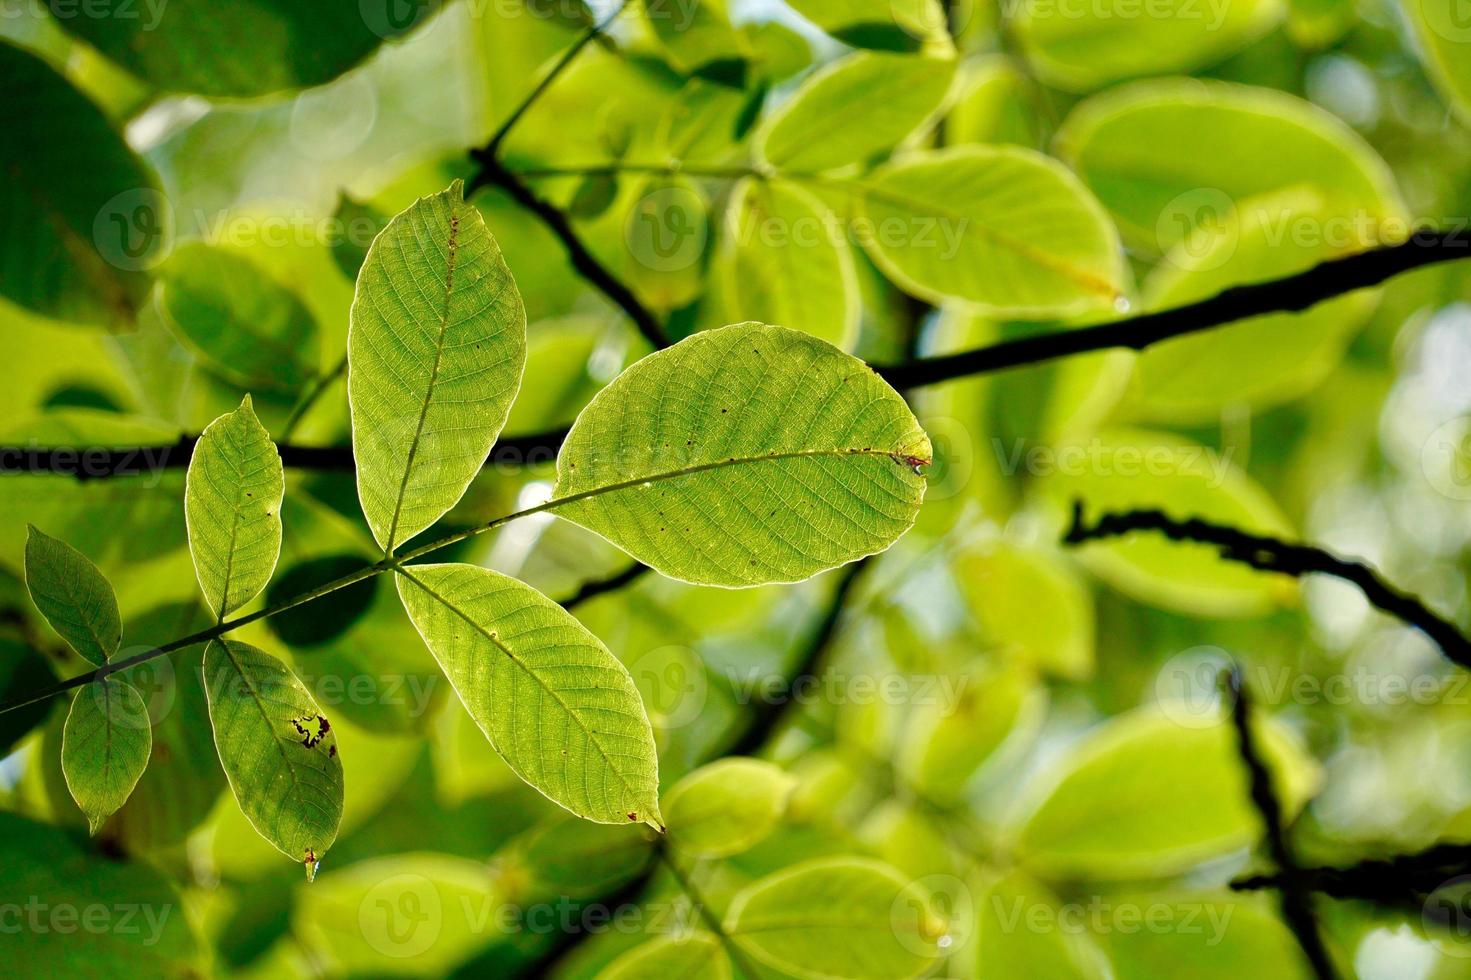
[726, 807]
[74, 596]
[1444, 32]
[696, 956]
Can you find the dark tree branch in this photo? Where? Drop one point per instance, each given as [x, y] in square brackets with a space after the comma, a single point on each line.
[1296, 897]
[1271, 555]
[1290, 294]
[602, 586]
[1401, 881]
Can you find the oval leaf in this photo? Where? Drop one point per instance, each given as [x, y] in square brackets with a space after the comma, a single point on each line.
[232, 507]
[557, 706]
[855, 109]
[435, 351]
[277, 749]
[1444, 33]
[726, 807]
[837, 917]
[697, 956]
[1004, 229]
[744, 456]
[74, 596]
[105, 747]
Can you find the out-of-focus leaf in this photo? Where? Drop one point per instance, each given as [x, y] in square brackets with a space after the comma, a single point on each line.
[853, 111]
[698, 39]
[696, 956]
[232, 504]
[844, 917]
[557, 706]
[81, 230]
[579, 858]
[277, 748]
[1031, 604]
[744, 456]
[1444, 34]
[881, 25]
[248, 48]
[1003, 229]
[1156, 791]
[726, 807]
[1022, 931]
[1088, 46]
[248, 328]
[785, 259]
[74, 596]
[105, 747]
[1209, 936]
[435, 355]
[356, 225]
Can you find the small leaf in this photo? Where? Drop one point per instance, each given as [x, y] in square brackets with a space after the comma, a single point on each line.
[74, 596]
[1004, 229]
[105, 747]
[838, 917]
[232, 507]
[557, 706]
[744, 456]
[697, 956]
[726, 807]
[853, 110]
[277, 749]
[435, 352]
[358, 223]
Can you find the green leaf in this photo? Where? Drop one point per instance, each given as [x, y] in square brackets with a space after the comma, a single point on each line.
[1085, 47]
[1031, 604]
[695, 956]
[1165, 157]
[1444, 34]
[853, 110]
[785, 259]
[232, 506]
[1155, 791]
[1022, 931]
[246, 327]
[105, 747]
[743, 456]
[81, 230]
[837, 917]
[277, 749]
[557, 706]
[74, 596]
[248, 48]
[435, 354]
[726, 807]
[581, 859]
[1004, 229]
[1235, 935]
[900, 25]
[1128, 469]
[698, 39]
[357, 224]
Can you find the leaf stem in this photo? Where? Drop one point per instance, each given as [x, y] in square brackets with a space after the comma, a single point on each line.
[703, 909]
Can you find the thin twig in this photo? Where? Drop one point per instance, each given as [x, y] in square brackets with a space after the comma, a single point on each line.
[1296, 898]
[1400, 881]
[1272, 555]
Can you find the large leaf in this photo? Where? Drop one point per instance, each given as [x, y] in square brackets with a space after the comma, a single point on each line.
[1444, 33]
[1165, 157]
[1155, 791]
[435, 354]
[743, 456]
[837, 917]
[1004, 229]
[232, 505]
[79, 229]
[245, 327]
[697, 956]
[785, 259]
[105, 747]
[278, 750]
[244, 48]
[1085, 46]
[557, 706]
[853, 110]
[727, 806]
[74, 597]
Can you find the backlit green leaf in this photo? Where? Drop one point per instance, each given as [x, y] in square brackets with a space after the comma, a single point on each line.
[1213, 936]
[435, 354]
[727, 806]
[105, 747]
[277, 748]
[1156, 791]
[557, 706]
[744, 456]
[232, 504]
[74, 597]
[1003, 229]
[697, 956]
[1444, 34]
[837, 917]
[82, 229]
[854, 110]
